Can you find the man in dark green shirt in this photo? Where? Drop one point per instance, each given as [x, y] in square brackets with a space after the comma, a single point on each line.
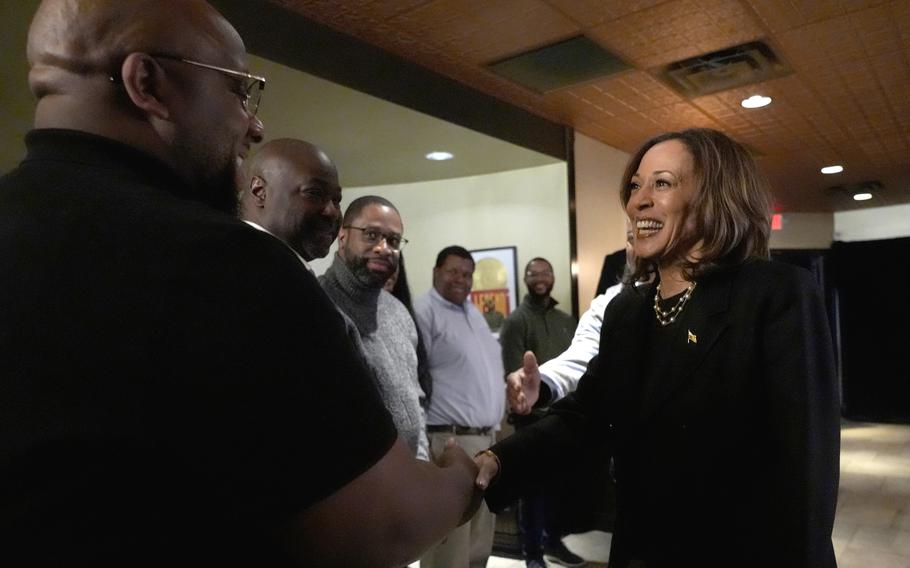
[537, 326]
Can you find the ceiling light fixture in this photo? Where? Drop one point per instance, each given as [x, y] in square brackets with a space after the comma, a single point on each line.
[862, 196]
[756, 101]
[439, 156]
[833, 169]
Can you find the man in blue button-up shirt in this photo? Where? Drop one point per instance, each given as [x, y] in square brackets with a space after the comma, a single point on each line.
[468, 391]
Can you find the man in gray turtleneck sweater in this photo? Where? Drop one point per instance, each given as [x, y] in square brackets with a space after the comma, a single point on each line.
[369, 245]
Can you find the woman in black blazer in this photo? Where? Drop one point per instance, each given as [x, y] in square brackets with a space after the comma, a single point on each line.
[714, 390]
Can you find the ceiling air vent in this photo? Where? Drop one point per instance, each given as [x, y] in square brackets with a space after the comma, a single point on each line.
[725, 69]
[559, 65]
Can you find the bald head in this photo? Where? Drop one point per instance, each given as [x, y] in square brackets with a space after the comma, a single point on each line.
[283, 153]
[115, 68]
[292, 190]
[87, 37]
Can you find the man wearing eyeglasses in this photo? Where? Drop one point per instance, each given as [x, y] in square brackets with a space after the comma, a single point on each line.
[176, 387]
[538, 329]
[369, 246]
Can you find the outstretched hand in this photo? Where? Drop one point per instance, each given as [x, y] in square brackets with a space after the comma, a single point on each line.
[523, 385]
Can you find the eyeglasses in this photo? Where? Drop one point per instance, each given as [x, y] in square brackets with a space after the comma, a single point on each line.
[541, 274]
[251, 86]
[374, 236]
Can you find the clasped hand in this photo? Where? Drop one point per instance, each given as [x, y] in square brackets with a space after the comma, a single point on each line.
[454, 457]
[488, 468]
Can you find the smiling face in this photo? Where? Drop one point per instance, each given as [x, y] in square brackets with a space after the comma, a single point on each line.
[539, 278]
[190, 116]
[660, 194]
[296, 187]
[453, 278]
[212, 130]
[371, 263]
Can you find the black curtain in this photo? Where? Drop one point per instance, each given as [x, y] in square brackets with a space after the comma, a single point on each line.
[611, 271]
[817, 262]
[874, 313]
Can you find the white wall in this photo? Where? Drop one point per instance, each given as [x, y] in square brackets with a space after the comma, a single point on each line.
[600, 219]
[818, 230]
[804, 231]
[872, 224]
[524, 208]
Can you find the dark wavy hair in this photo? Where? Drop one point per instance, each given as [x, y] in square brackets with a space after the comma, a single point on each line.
[731, 211]
[402, 291]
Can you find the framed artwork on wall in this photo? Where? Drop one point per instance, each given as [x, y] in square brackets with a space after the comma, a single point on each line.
[495, 288]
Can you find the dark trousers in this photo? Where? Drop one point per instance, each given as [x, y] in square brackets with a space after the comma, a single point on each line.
[538, 518]
[537, 526]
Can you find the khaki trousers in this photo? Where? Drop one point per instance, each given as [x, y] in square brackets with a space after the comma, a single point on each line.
[470, 545]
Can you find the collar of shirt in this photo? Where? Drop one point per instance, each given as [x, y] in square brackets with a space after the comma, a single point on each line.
[537, 306]
[450, 305]
[264, 230]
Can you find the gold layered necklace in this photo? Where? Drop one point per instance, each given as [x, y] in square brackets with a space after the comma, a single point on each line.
[669, 316]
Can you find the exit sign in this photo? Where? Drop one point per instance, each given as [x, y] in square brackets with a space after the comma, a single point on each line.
[777, 222]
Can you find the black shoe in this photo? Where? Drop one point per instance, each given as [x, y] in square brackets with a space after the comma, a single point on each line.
[559, 554]
[535, 562]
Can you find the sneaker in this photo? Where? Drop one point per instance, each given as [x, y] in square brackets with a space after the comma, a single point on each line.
[535, 562]
[559, 554]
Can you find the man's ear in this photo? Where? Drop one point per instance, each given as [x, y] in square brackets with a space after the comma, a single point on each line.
[342, 238]
[257, 190]
[145, 84]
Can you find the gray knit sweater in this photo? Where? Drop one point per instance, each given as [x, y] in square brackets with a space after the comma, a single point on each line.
[390, 346]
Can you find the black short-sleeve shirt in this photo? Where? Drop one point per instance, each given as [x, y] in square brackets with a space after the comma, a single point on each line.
[173, 383]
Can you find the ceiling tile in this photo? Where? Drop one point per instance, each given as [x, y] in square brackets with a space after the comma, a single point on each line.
[782, 15]
[677, 30]
[846, 99]
[590, 13]
[350, 10]
[483, 31]
[625, 93]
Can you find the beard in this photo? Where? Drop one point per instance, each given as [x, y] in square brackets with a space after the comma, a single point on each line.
[532, 291]
[358, 267]
[316, 238]
[213, 176]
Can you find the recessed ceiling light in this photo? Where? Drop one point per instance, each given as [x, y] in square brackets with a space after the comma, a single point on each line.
[439, 156]
[756, 101]
[832, 169]
[862, 196]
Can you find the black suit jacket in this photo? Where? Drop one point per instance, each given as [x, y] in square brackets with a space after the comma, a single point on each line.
[611, 271]
[732, 457]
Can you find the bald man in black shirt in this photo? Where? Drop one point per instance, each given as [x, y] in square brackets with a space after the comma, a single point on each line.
[164, 366]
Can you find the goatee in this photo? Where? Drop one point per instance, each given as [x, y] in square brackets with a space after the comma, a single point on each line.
[358, 267]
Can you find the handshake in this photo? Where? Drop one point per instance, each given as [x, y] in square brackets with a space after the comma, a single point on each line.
[522, 391]
[483, 469]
